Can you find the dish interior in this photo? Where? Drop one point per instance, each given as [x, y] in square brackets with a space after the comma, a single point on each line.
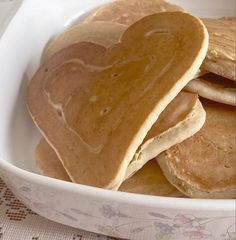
[19, 134]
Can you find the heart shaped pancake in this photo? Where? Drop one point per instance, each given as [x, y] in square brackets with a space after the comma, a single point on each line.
[215, 88]
[182, 118]
[163, 133]
[129, 12]
[203, 166]
[103, 33]
[221, 58]
[95, 105]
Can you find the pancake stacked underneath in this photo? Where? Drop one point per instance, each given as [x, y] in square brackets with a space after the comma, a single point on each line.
[118, 108]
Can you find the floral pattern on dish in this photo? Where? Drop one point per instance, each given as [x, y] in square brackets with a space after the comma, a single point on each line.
[187, 226]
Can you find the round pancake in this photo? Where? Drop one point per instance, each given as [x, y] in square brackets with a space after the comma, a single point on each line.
[181, 119]
[150, 181]
[215, 88]
[221, 56]
[204, 165]
[103, 33]
[128, 12]
[93, 115]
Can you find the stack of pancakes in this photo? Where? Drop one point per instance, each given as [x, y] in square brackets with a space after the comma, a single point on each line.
[116, 100]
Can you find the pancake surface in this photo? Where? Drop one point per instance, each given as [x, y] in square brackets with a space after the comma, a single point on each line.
[82, 102]
[163, 133]
[150, 181]
[182, 118]
[221, 56]
[103, 33]
[166, 130]
[129, 12]
[204, 165]
[48, 163]
[215, 88]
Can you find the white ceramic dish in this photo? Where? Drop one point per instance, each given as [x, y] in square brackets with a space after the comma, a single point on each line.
[112, 213]
[7, 10]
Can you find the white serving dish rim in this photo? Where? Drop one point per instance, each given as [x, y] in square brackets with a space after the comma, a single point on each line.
[137, 199]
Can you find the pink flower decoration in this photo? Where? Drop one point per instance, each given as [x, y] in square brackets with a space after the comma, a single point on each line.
[186, 221]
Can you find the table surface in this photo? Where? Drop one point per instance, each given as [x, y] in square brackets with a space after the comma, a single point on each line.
[17, 222]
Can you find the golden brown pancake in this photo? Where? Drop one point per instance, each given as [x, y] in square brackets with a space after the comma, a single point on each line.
[48, 163]
[215, 88]
[221, 57]
[149, 180]
[129, 12]
[182, 118]
[93, 115]
[204, 165]
[103, 33]
[163, 133]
